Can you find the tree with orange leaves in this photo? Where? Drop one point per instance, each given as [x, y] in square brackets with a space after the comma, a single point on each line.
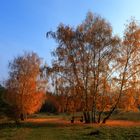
[25, 87]
[82, 57]
[128, 67]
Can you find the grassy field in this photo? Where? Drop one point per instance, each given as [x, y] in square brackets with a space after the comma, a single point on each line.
[132, 116]
[57, 130]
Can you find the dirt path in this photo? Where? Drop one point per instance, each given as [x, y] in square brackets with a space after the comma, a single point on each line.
[122, 123]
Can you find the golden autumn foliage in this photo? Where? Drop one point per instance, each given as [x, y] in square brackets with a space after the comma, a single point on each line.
[83, 56]
[96, 67]
[25, 88]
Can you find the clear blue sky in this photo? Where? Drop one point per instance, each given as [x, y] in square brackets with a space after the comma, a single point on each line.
[23, 23]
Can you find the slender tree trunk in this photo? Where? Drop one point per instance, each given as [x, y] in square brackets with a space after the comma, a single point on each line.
[86, 116]
[120, 93]
[94, 110]
[94, 113]
[109, 115]
[99, 117]
[22, 117]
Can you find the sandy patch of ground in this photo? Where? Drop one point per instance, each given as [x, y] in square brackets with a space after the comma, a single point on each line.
[122, 123]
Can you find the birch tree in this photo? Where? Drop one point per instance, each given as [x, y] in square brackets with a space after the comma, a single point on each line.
[25, 88]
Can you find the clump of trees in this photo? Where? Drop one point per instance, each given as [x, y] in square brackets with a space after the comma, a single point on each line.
[95, 70]
[25, 88]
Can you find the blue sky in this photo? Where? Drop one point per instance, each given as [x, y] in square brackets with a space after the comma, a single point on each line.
[24, 23]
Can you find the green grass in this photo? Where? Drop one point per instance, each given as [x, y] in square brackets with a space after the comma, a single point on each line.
[63, 116]
[61, 131]
[131, 116]
[55, 131]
